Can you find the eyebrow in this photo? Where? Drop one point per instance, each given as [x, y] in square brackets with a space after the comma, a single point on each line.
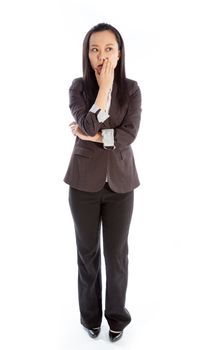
[105, 45]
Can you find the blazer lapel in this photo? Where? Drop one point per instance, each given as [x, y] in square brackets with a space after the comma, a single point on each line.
[113, 99]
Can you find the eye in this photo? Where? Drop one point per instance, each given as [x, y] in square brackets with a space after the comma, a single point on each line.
[94, 49]
[109, 49]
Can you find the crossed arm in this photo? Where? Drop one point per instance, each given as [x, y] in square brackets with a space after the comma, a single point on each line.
[87, 126]
[79, 133]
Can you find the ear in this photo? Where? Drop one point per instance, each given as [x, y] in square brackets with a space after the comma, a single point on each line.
[119, 55]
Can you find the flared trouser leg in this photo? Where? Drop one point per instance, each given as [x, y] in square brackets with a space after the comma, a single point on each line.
[117, 211]
[85, 209]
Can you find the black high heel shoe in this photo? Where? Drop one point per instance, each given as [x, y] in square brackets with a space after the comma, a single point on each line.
[93, 332]
[114, 335]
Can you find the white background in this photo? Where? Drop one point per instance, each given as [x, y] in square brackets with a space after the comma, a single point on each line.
[167, 53]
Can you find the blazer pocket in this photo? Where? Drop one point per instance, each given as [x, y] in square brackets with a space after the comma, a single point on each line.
[126, 153]
[83, 152]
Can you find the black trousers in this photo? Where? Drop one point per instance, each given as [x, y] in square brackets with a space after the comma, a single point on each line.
[114, 211]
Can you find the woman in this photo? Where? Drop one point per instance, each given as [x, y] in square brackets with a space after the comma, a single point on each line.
[102, 176]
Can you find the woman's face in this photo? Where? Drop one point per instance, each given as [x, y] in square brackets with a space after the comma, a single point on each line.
[103, 45]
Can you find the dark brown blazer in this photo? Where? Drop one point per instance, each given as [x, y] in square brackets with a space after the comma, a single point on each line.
[90, 163]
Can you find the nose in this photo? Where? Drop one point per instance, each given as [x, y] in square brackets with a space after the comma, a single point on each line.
[101, 56]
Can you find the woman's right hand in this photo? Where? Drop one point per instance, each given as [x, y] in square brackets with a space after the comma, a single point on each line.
[106, 76]
[81, 135]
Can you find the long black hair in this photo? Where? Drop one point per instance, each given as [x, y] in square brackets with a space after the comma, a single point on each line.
[90, 82]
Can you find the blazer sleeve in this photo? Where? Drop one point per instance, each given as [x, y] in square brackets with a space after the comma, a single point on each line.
[126, 133]
[86, 120]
